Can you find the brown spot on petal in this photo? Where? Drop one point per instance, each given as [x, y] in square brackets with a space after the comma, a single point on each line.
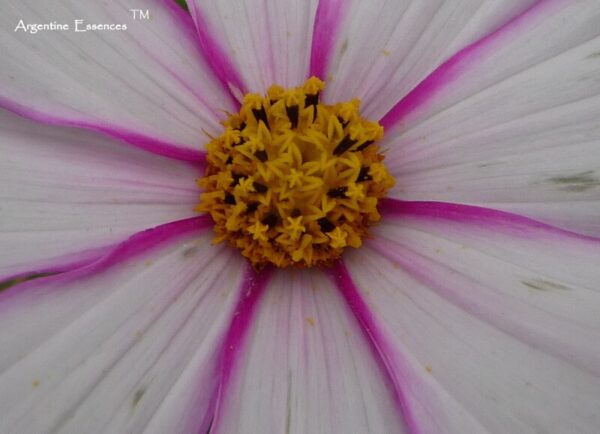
[544, 285]
[576, 183]
[137, 396]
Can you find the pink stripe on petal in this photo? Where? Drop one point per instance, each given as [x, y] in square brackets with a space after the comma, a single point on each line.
[251, 290]
[146, 143]
[154, 237]
[455, 66]
[186, 21]
[187, 24]
[330, 14]
[486, 217]
[216, 57]
[59, 265]
[382, 349]
[138, 243]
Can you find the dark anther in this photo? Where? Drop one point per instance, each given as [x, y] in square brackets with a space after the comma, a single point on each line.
[339, 192]
[251, 207]
[312, 100]
[260, 188]
[326, 225]
[296, 212]
[364, 146]
[261, 155]
[261, 115]
[241, 127]
[229, 160]
[292, 114]
[229, 199]
[344, 145]
[363, 175]
[236, 178]
[270, 220]
[343, 122]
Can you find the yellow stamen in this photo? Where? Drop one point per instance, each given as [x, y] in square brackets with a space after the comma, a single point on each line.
[292, 181]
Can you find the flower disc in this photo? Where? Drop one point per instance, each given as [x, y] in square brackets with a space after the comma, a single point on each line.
[292, 181]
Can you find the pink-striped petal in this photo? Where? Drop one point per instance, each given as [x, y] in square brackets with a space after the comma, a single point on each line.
[384, 48]
[306, 368]
[490, 322]
[134, 348]
[514, 124]
[146, 85]
[254, 44]
[328, 19]
[65, 191]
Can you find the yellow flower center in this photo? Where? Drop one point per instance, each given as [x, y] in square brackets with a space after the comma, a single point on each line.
[292, 181]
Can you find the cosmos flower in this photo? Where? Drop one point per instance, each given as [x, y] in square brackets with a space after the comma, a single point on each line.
[450, 270]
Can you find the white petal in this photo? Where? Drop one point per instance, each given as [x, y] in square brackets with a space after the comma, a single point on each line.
[132, 349]
[514, 124]
[267, 42]
[491, 322]
[66, 190]
[306, 367]
[384, 48]
[146, 84]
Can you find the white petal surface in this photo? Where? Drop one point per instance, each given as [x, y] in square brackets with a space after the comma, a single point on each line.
[384, 48]
[306, 367]
[491, 326]
[145, 83]
[515, 125]
[66, 190]
[132, 349]
[268, 42]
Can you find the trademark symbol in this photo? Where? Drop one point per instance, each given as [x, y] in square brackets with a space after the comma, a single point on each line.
[140, 14]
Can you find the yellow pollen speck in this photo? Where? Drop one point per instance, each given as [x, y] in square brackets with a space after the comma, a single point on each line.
[310, 321]
[386, 52]
[293, 181]
[35, 383]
